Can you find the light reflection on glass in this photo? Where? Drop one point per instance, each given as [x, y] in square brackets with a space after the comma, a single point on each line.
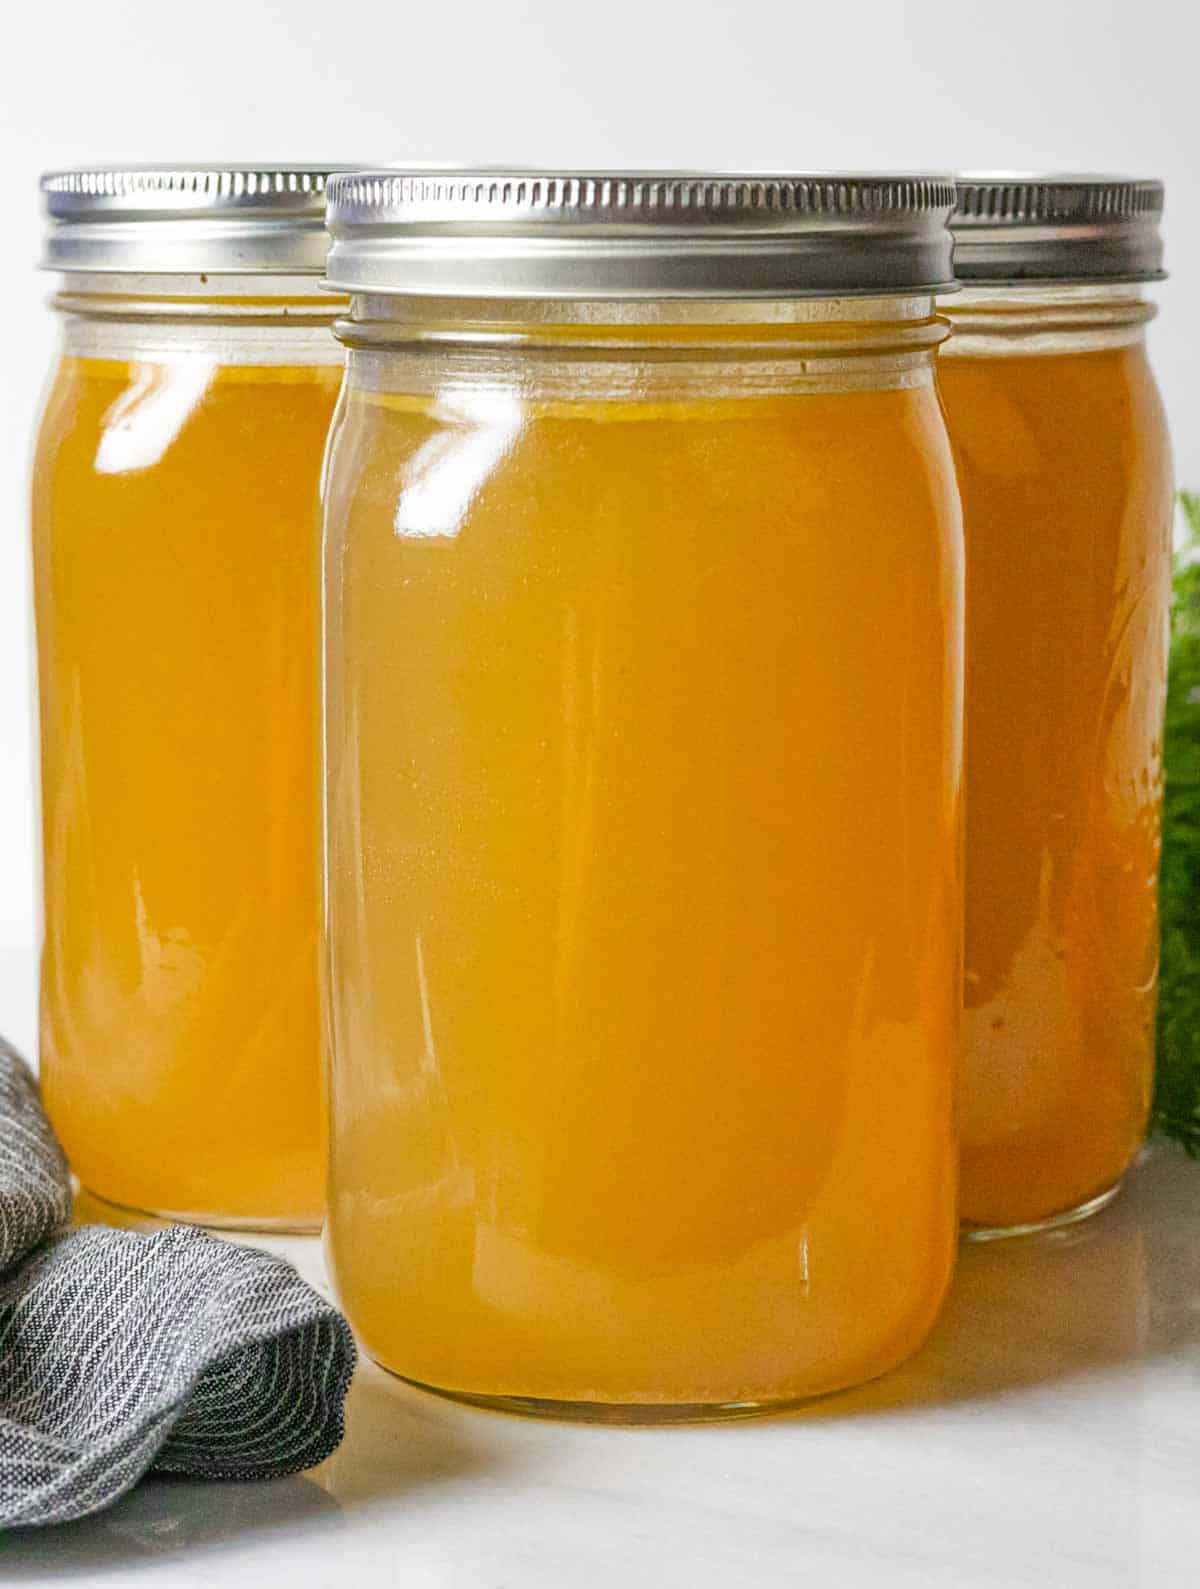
[443, 475]
[150, 413]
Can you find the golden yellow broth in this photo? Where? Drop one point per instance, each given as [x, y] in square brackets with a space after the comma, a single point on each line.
[175, 543]
[644, 760]
[1066, 481]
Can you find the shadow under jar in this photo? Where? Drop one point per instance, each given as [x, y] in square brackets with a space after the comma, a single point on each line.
[175, 541]
[643, 628]
[1065, 469]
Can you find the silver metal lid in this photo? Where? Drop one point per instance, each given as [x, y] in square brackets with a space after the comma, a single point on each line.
[638, 235]
[169, 220]
[1045, 227]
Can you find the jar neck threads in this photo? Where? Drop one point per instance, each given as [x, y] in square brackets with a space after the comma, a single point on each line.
[1015, 320]
[588, 349]
[249, 319]
[217, 298]
[380, 320]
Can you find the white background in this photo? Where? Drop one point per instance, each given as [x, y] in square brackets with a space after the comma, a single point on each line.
[747, 84]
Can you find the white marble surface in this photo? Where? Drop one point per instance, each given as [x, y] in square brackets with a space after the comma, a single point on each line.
[1048, 1435]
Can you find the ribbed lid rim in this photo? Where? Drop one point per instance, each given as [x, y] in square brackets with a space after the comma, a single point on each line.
[175, 218]
[1057, 227]
[638, 234]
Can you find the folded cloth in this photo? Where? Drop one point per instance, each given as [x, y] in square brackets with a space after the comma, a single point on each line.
[35, 1185]
[122, 1352]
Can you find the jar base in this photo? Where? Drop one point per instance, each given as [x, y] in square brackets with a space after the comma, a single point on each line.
[1034, 1227]
[125, 1215]
[628, 1413]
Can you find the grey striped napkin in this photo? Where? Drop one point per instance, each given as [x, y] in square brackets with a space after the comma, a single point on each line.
[121, 1352]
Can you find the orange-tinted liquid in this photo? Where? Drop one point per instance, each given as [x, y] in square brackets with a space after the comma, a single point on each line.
[643, 739]
[1065, 475]
[174, 557]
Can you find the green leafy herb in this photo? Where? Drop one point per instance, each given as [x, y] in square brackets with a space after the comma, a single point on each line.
[1177, 1081]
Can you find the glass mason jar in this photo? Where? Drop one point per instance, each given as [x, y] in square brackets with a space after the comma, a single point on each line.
[175, 539]
[643, 693]
[1065, 469]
